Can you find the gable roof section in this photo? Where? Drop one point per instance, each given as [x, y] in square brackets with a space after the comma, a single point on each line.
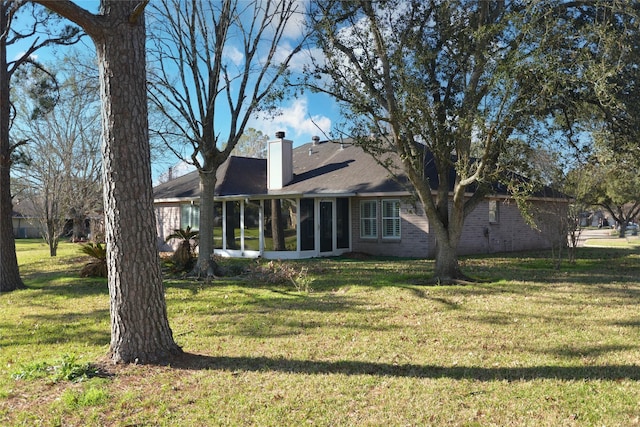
[236, 176]
[334, 168]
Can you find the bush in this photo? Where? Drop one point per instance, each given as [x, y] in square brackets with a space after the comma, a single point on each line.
[184, 256]
[98, 267]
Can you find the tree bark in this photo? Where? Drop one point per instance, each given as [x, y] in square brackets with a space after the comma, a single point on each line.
[277, 233]
[140, 331]
[206, 266]
[9, 272]
[447, 268]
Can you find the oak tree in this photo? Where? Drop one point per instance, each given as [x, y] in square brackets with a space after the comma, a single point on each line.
[453, 86]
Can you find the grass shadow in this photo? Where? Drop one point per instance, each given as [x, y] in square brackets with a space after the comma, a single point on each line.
[190, 361]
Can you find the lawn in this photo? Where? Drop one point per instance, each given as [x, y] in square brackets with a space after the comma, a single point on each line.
[354, 342]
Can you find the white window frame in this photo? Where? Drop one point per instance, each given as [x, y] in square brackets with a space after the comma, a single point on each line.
[494, 212]
[371, 220]
[395, 219]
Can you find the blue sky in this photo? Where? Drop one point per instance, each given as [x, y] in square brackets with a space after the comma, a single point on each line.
[301, 117]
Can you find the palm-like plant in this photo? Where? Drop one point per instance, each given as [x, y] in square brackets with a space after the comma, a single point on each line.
[185, 252]
[98, 267]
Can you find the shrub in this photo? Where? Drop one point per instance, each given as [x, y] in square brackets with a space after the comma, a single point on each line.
[98, 267]
[184, 255]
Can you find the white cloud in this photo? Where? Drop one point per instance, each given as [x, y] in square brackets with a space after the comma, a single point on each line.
[296, 121]
[234, 54]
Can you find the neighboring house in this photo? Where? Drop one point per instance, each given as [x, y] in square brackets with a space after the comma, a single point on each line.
[332, 198]
[26, 224]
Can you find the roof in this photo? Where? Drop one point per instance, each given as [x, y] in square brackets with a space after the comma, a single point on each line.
[324, 167]
[318, 168]
[236, 176]
[334, 168]
[23, 208]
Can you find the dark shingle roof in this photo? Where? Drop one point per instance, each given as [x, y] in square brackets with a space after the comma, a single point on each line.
[331, 167]
[236, 176]
[318, 168]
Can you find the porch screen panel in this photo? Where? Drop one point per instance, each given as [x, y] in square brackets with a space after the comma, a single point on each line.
[233, 225]
[252, 226]
[289, 213]
[307, 230]
[342, 223]
[217, 225]
[280, 225]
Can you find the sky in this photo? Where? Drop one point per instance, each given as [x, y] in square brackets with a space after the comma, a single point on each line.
[300, 117]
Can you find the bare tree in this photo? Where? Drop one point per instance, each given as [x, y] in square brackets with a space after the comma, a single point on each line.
[63, 174]
[217, 63]
[37, 21]
[140, 329]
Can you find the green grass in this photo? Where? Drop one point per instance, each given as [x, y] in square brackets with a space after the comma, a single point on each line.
[366, 346]
[632, 242]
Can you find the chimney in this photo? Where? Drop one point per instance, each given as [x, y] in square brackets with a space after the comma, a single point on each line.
[279, 162]
[316, 140]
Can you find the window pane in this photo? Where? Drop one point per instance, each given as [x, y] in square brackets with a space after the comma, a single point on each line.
[189, 216]
[368, 219]
[493, 211]
[391, 218]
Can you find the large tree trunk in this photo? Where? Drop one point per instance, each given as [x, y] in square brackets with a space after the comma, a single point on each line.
[140, 329]
[277, 232]
[447, 269]
[206, 266]
[9, 272]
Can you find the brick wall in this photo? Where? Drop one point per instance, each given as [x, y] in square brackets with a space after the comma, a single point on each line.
[167, 220]
[509, 233]
[414, 230]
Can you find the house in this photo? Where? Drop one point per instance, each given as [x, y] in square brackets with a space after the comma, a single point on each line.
[25, 221]
[328, 198]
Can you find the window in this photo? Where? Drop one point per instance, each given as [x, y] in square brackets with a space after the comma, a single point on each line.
[391, 219]
[493, 211]
[368, 219]
[190, 216]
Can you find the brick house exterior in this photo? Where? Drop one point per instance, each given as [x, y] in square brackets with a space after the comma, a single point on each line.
[334, 198]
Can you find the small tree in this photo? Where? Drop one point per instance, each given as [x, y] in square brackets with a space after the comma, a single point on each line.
[63, 175]
[36, 21]
[97, 267]
[252, 143]
[613, 184]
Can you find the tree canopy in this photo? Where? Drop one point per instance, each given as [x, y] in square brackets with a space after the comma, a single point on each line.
[460, 85]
